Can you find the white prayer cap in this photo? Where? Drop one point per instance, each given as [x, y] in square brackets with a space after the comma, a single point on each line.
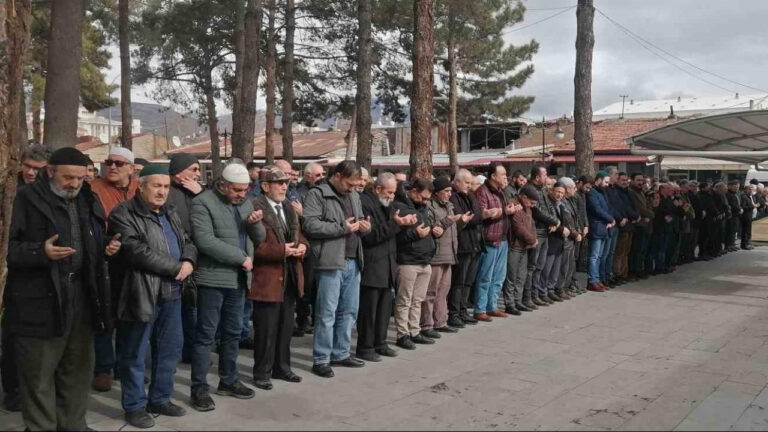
[236, 173]
[123, 152]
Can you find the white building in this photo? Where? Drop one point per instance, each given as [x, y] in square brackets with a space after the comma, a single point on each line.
[682, 107]
[103, 127]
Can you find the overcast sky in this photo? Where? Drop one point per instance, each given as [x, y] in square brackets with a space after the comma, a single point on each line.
[724, 37]
[727, 38]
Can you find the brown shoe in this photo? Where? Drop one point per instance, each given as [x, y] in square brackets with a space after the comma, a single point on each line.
[102, 383]
[483, 317]
[604, 287]
[539, 302]
[564, 296]
[595, 287]
[498, 314]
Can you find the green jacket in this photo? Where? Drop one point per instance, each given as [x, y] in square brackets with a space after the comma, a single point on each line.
[325, 227]
[220, 258]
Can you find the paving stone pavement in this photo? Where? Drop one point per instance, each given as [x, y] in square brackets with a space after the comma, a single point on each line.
[685, 351]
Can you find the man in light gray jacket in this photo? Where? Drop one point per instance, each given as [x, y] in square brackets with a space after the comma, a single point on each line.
[224, 228]
[333, 223]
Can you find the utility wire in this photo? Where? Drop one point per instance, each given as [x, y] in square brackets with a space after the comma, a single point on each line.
[636, 36]
[647, 47]
[539, 21]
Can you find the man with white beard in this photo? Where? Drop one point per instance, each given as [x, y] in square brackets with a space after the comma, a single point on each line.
[380, 272]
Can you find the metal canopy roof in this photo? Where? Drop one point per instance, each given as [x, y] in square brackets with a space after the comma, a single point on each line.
[739, 137]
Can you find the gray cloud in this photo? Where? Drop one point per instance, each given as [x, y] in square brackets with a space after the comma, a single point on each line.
[726, 38]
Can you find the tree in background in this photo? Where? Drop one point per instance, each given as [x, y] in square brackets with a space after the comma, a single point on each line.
[247, 58]
[14, 40]
[62, 89]
[185, 46]
[421, 99]
[125, 73]
[582, 80]
[363, 96]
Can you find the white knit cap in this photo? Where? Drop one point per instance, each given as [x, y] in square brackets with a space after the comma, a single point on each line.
[236, 173]
[123, 152]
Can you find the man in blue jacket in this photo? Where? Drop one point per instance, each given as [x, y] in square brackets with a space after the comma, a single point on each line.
[600, 222]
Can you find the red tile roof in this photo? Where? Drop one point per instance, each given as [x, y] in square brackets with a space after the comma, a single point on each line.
[608, 135]
[87, 142]
[304, 145]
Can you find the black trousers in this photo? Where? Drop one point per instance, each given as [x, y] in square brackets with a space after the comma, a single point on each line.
[9, 373]
[373, 319]
[463, 278]
[304, 308]
[272, 331]
[746, 229]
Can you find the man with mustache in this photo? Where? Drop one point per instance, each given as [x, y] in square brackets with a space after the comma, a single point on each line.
[58, 291]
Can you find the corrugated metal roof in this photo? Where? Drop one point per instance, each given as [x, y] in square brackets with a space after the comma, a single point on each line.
[682, 106]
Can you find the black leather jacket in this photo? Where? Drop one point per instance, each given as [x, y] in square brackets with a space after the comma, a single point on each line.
[148, 267]
[544, 214]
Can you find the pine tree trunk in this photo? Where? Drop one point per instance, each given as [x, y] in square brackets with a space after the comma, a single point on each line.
[453, 96]
[582, 110]
[242, 146]
[290, 30]
[23, 132]
[363, 97]
[350, 136]
[125, 74]
[421, 101]
[239, 43]
[213, 127]
[270, 86]
[14, 40]
[62, 86]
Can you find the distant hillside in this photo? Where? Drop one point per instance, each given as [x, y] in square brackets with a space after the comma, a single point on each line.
[153, 117]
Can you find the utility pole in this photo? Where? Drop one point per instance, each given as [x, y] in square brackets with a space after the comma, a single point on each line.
[623, 98]
[582, 80]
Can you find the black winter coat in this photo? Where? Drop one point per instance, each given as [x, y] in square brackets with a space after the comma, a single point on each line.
[734, 202]
[544, 214]
[380, 245]
[149, 269]
[36, 295]
[411, 249]
[471, 235]
[181, 198]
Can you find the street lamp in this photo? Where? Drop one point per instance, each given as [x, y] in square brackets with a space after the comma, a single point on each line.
[559, 134]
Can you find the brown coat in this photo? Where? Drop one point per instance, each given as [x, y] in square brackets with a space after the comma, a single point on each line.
[110, 196]
[522, 229]
[270, 263]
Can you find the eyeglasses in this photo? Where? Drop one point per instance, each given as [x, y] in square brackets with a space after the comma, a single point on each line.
[118, 164]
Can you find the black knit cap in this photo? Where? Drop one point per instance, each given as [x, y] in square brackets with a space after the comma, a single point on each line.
[180, 162]
[734, 183]
[441, 183]
[68, 156]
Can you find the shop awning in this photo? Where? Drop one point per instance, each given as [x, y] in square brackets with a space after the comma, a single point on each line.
[697, 163]
[739, 137]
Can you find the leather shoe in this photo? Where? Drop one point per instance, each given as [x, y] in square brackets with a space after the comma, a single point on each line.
[497, 314]
[512, 311]
[483, 317]
[290, 377]
[595, 287]
[421, 339]
[323, 370]
[468, 319]
[264, 384]
[405, 342]
[555, 297]
[530, 306]
[386, 352]
[456, 322]
[349, 362]
[102, 383]
[539, 302]
[430, 333]
[522, 308]
[564, 295]
[369, 356]
[446, 329]
[140, 419]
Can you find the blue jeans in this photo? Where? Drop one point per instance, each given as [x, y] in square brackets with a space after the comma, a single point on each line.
[188, 321]
[336, 305]
[609, 252]
[165, 337]
[596, 247]
[247, 311]
[491, 272]
[216, 305]
[105, 353]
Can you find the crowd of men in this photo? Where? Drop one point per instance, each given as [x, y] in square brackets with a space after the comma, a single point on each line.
[141, 269]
